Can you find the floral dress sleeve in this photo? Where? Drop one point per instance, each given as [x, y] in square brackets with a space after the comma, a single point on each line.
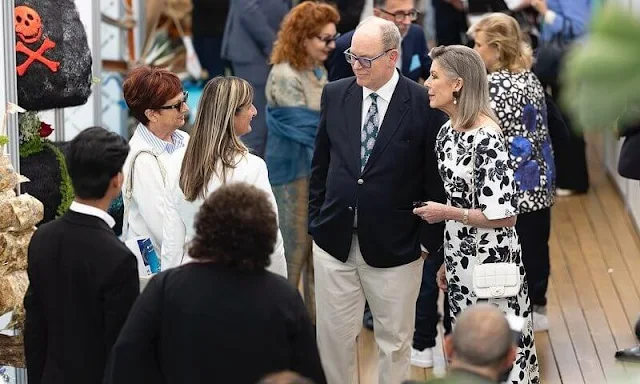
[494, 181]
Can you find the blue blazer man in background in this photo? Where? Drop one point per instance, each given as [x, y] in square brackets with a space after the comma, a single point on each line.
[414, 62]
[251, 29]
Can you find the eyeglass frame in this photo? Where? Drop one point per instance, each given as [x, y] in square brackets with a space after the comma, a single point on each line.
[328, 40]
[177, 106]
[403, 14]
[348, 54]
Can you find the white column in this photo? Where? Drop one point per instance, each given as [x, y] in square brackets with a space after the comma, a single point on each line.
[8, 79]
[113, 47]
[9, 93]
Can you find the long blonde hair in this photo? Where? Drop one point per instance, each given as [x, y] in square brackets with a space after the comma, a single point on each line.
[214, 146]
[503, 32]
[459, 61]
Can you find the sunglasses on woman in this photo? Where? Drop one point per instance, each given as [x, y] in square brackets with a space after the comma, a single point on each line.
[328, 39]
[177, 106]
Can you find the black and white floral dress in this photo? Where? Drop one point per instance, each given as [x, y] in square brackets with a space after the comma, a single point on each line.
[493, 192]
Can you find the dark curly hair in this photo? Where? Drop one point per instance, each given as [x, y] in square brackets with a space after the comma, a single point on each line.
[236, 226]
[303, 22]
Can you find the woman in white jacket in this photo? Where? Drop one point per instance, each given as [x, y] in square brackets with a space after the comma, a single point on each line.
[156, 99]
[215, 156]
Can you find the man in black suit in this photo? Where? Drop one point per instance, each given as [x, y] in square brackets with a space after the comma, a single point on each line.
[374, 157]
[415, 64]
[82, 279]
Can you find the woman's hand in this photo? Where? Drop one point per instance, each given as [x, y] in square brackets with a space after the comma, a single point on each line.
[441, 278]
[540, 6]
[432, 212]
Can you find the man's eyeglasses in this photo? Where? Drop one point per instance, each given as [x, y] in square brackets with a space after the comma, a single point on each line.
[177, 106]
[400, 16]
[365, 62]
[328, 39]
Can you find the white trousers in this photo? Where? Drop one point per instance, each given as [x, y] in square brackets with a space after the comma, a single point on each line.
[341, 291]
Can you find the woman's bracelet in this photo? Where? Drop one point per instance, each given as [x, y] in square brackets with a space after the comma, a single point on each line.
[465, 216]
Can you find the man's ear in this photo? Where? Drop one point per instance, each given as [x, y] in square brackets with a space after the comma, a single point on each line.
[511, 357]
[395, 54]
[117, 180]
[448, 347]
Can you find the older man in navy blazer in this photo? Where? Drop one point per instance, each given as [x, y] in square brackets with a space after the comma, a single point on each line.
[374, 157]
[414, 62]
[251, 29]
[415, 65]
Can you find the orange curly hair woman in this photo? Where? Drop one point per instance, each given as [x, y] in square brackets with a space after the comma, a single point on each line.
[305, 38]
[294, 88]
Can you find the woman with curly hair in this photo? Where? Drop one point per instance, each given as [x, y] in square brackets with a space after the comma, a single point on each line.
[196, 324]
[294, 87]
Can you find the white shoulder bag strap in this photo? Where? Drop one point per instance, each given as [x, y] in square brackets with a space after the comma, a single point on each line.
[128, 190]
[494, 280]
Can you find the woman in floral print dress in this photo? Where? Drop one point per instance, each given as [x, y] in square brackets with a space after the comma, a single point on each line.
[518, 99]
[482, 205]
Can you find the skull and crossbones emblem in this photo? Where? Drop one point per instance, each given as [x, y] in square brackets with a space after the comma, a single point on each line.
[28, 25]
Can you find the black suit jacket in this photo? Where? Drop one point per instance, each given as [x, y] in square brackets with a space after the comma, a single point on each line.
[401, 169]
[83, 282]
[416, 63]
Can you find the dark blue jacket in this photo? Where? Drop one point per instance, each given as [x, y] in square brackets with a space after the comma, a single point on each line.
[402, 169]
[415, 62]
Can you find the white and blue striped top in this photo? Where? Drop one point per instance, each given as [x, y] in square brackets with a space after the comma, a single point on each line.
[158, 145]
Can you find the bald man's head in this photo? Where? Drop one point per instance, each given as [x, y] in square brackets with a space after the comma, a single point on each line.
[375, 42]
[482, 336]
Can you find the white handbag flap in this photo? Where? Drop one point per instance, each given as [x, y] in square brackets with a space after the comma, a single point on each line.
[496, 275]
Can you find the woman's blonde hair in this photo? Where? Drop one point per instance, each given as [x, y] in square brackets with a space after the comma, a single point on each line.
[214, 146]
[503, 32]
[458, 61]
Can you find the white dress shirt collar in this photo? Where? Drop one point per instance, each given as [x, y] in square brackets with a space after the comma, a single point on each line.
[159, 145]
[93, 211]
[386, 91]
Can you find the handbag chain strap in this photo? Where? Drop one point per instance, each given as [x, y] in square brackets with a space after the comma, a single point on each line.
[128, 190]
[473, 192]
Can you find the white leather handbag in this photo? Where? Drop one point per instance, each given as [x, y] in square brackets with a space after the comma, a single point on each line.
[493, 280]
[496, 280]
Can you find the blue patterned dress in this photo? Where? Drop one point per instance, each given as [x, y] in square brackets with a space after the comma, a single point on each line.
[519, 102]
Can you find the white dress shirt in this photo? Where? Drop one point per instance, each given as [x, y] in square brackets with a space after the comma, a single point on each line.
[384, 97]
[145, 210]
[179, 214]
[92, 211]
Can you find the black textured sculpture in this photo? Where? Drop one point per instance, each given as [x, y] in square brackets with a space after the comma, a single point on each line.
[52, 55]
